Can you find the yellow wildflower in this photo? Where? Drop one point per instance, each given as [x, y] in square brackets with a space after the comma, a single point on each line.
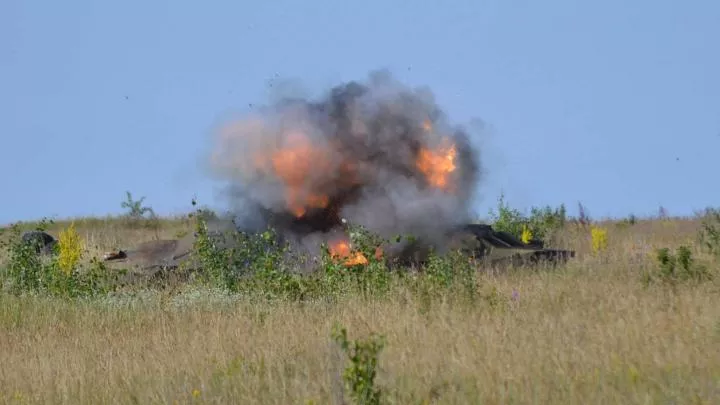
[599, 239]
[195, 393]
[526, 235]
[70, 249]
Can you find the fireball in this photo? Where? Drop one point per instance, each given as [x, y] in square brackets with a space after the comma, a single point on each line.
[437, 166]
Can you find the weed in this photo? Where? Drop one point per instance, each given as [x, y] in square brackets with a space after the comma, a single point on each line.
[507, 219]
[627, 222]
[680, 266]
[494, 299]
[599, 239]
[70, 249]
[360, 374]
[542, 223]
[583, 216]
[709, 234]
[527, 235]
[135, 208]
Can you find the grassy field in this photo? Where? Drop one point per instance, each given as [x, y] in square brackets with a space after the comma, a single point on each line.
[590, 332]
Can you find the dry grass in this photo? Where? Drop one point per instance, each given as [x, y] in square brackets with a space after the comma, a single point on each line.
[590, 333]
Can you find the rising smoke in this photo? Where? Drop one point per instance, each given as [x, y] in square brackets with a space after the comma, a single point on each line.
[375, 153]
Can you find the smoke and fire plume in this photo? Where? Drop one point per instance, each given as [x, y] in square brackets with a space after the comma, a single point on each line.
[377, 154]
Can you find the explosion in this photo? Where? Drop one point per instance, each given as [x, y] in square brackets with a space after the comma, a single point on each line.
[376, 154]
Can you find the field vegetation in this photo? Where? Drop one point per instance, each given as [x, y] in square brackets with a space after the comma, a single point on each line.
[634, 318]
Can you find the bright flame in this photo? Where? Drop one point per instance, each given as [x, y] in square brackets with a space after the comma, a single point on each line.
[437, 165]
[295, 163]
[340, 249]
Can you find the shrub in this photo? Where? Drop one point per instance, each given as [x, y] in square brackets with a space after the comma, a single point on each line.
[542, 223]
[57, 275]
[709, 234]
[680, 266]
[25, 269]
[360, 374]
[507, 219]
[545, 221]
[135, 208]
[136, 213]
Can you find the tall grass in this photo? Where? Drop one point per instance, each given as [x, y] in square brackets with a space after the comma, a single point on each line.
[611, 326]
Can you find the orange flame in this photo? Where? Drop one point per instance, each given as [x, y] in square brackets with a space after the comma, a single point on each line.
[295, 163]
[437, 165]
[340, 249]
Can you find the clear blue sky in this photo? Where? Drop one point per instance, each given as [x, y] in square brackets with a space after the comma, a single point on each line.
[615, 104]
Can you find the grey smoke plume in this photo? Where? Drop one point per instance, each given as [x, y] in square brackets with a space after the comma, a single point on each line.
[377, 153]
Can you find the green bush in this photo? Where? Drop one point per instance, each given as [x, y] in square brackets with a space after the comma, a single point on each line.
[359, 376]
[542, 222]
[29, 272]
[709, 234]
[677, 267]
[25, 270]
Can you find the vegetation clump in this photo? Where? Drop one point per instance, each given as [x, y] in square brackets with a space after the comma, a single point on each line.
[542, 223]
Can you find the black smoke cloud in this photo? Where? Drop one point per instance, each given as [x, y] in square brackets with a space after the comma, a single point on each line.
[353, 154]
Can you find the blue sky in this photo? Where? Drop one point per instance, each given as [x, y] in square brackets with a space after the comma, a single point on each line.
[615, 104]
